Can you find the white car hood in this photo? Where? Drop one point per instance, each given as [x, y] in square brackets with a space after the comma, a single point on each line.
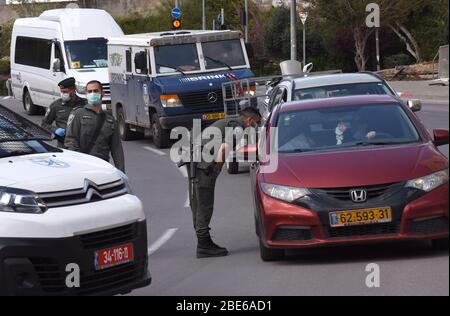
[53, 172]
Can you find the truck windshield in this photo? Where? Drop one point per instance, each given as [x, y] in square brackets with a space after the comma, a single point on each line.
[176, 58]
[92, 53]
[223, 54]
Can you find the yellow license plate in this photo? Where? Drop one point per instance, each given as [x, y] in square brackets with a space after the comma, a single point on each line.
[361, 217]
[213, 116]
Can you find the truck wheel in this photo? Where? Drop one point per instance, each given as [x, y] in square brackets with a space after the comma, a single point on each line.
[28, 104]
[233, 167]
[160, 136]
[124, 129]
[269, 254]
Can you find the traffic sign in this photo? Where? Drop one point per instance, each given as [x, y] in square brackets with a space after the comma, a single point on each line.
[176, 13]
[303, 17]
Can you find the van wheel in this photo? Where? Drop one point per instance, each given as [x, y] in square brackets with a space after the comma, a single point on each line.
[28, 104]
[233, 167]
[160, 136]
[124, 129]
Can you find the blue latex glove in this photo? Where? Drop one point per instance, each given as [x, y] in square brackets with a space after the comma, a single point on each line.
[61, 132]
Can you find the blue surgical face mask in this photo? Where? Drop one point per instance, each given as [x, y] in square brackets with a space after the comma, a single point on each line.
[94, 98]
[65, 97]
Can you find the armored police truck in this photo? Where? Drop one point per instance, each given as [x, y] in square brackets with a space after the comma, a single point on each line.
[160, 81]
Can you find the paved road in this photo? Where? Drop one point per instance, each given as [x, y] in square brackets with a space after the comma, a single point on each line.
[406, 269]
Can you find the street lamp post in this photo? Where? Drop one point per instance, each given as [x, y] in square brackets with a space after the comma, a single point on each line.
[293, 30]
[246, 21]
[377, 35]
[304, 17]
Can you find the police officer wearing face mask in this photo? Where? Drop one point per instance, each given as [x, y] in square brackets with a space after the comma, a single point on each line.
[59, 111]
[203, 182]
[93, 131]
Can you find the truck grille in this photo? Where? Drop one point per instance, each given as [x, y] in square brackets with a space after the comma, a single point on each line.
[90, 193]
[203, 101]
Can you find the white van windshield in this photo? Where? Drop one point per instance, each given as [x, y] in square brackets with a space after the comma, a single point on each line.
[92, 53]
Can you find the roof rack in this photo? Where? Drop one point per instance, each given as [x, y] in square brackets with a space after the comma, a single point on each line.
[14, 127]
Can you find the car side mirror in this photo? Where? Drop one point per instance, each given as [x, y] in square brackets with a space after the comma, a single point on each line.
[56, 65]
[415, 105]
[308, 68]
[441, 137]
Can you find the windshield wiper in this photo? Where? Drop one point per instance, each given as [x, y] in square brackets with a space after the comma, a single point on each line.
[218, 62]
[23, 139]
[16, 153]
[174, 68]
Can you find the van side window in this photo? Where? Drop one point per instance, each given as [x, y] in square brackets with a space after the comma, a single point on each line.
[33, 52]
[141, 63]
[129, 65]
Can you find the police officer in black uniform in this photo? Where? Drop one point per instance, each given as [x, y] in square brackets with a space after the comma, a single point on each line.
[203, 176]
[93, 131]
[59, 111]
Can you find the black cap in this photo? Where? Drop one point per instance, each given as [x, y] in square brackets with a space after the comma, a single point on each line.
[67, 83]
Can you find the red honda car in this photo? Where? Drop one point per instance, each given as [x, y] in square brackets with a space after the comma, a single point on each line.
[350, 170]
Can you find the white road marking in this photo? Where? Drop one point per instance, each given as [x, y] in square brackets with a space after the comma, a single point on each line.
[162, 240]
[155, 151]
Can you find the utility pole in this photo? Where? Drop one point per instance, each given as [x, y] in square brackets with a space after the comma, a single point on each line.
[176, 4]
[293, 30]
[304, 17]
[203, 15]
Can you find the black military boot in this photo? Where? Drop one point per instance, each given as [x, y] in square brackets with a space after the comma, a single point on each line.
[207, 249]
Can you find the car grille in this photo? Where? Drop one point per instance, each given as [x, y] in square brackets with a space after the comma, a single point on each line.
[109, 237]
[363, 230]
[90, 193]
[292, 234]
[374, 191]
[429, 226]
[198, 102]
[51, 277]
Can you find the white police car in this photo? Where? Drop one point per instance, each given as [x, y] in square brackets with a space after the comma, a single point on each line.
[65, 217]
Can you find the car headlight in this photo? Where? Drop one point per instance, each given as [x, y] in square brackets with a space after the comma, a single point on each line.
[126, 181]
[288, 194]
[430, 182]
[81, 88]
[170, 101]
[20, 201]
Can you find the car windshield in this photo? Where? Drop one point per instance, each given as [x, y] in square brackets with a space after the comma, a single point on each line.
[20, 148]
[342, 90]
[92, 53]
[223, 54]
[344, 127]
[176, 58]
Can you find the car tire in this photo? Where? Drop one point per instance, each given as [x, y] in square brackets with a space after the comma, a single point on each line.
[124, 128]
[160, 136]
[440, 244]
[270, 254]
[257, 231]
[29, 106]
[233, 167]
